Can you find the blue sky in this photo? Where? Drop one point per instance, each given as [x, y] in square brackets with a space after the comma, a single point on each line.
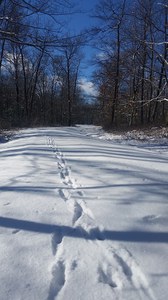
[81, 20]
[78, 22]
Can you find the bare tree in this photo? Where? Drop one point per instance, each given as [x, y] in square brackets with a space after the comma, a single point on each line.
[132, 65]
[112, 14]
[29, 30]
[69, 62]
[163, 59]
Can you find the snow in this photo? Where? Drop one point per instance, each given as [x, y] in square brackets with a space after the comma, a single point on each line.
[84, 215]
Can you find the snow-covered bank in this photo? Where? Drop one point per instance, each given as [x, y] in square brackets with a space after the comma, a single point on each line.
[155, 138]
[82, 218]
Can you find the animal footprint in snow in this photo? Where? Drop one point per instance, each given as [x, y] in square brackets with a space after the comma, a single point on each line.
[58, 279]
[74, 265]
[60, 165]
[124, 263]
[64, 194]
[66, 172]
[80, 193]
[73, 183]
[77, 212]
[105, 276]
[6, 204]
[15, 231]
[132, 271]
[56, 240]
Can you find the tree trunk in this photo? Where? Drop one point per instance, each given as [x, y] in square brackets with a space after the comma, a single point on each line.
[163, 71]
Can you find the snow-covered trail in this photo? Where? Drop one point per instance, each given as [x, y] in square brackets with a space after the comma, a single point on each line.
[81, 218]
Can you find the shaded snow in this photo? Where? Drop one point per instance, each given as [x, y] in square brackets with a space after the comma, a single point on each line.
[82, 217]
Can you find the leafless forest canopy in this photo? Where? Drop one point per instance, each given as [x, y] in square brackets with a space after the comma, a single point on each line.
[41, 63]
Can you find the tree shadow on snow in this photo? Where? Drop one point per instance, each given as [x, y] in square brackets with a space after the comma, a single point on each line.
[78, 232]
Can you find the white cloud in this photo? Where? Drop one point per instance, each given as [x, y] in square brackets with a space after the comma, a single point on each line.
[87, 87]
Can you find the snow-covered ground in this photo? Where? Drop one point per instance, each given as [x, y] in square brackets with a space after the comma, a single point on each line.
[83, 216]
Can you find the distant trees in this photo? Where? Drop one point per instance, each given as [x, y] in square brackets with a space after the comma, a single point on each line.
[39, 64]
[132, 65]
[68, 64]
[22, 38]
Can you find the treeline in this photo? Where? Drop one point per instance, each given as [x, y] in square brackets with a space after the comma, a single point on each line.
[39, 65]
[132, 65]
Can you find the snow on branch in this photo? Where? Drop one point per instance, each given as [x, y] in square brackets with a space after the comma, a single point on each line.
[158, 98]
[164, 5]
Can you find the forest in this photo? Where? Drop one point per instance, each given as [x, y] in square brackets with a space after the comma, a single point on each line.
[41, 61]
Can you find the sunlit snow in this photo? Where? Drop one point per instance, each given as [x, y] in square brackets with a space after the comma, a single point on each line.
[84, 215]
